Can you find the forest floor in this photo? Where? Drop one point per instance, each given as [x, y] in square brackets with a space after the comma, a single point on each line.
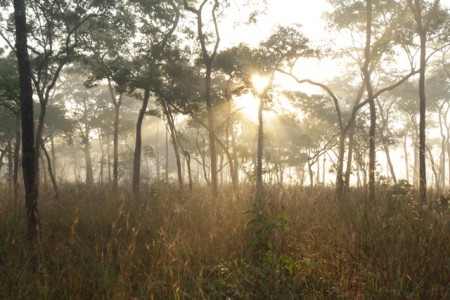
[98, 245]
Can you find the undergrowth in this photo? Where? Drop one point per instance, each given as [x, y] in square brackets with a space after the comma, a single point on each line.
[98, 245]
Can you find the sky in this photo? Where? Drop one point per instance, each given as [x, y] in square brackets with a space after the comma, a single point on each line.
[280, 12]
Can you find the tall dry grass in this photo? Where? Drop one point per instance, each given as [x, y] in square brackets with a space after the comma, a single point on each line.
[99, 245]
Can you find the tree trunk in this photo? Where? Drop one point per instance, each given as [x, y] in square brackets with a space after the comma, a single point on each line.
[16, 162]
[87, 158]
[416, 9]
[370, 96]
[259, 156]
[138, 146]
[173, 135]
[443, 143]
[52, 150]
[405, 153]
[340, 168]
[108, 160]
[167, 155]
[10, 166]
[117, 104]
[188, 163]
[422, 123]
[157, 156]
[50, 172]
[211, 130]
[29, 157]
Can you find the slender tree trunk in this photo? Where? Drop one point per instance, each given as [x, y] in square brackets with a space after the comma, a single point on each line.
[52, 150]
[416, 9]
[50, 172]
[117, 104]
[88, 160]
[422, 123]
[405, 151]
[259, 156]
[157, 157]
[167, 155]
[340, 168]
[324, 169]
[370, 96]
[29, 164]
[102, 160]
[10, 166]
[173, 135]
[45, 181]
[138, 146]
[16, 161]
[443, 143]
[211, 130]
[188, 163]
[311, 174]
[351, 134]
[435, 171]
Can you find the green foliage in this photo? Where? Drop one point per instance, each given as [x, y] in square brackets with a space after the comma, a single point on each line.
[262, 228]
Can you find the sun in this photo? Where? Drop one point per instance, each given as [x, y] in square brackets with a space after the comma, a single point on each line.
[260, 82]
[248, 105]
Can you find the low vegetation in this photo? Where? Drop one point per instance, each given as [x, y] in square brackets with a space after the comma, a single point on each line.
[98, 245]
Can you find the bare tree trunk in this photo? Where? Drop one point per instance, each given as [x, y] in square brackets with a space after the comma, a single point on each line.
[443, 142]
[405, 151]
[173, 135]
[259, 156]
[108, 159]
[370, 96]
[167, 155]
[50, 172]
[29, 164]
[435, 171]
[10, 166]
[16, 161]
[208, 59]
[138, 146]
[188, 163]
[117, 102]
[157, 158]
[416, 9]
[52, 150]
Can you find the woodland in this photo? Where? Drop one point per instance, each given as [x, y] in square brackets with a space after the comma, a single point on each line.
[144, 155]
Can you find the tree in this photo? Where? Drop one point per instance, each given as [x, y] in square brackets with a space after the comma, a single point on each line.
[208, 57]
[159, 22]
[10, 101]
[426, 15]
[106, 53]
[29, 164]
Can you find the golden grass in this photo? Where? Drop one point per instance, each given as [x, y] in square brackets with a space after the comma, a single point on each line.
[99, 245]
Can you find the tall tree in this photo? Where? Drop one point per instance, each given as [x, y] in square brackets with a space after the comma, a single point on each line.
[208, 57]
[107, 55]
[424, 14]
[159, 22]
[29, 157]
[371, 100]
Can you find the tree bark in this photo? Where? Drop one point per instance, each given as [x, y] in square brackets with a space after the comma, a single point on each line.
[117, 103]
[173, 135]
[259, 156]
[50, 172]
[138, 146]
[370, 96]
[29, 160]
[16, 161]
[416, 9]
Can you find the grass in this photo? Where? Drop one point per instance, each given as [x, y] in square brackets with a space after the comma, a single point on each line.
[99, 245]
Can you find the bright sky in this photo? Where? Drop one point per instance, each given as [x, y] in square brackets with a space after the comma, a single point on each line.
[281, 12]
